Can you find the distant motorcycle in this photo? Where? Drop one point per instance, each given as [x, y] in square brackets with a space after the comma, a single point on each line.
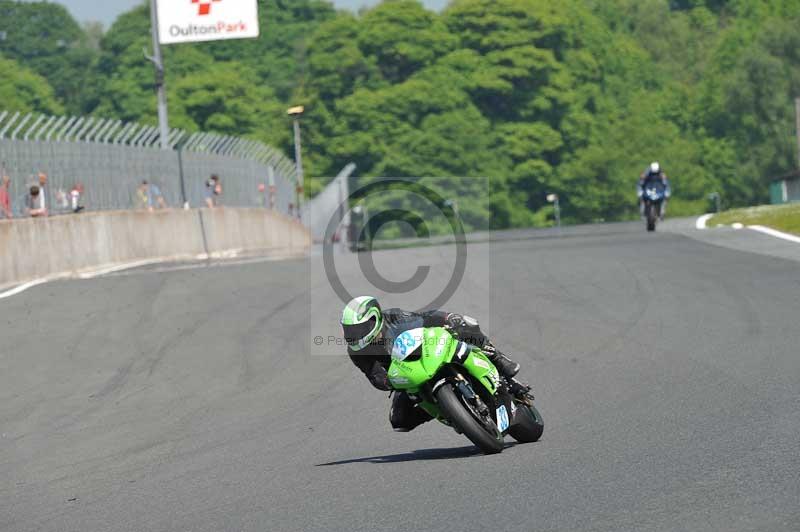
[653, 197]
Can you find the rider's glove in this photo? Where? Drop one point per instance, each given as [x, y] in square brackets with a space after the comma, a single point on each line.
[454, 322]
[466, 328]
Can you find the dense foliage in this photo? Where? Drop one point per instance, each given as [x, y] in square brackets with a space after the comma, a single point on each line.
[572, 97]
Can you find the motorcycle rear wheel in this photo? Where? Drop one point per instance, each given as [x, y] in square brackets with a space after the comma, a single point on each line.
[464, 420]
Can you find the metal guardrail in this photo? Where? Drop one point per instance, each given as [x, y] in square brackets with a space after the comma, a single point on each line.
[108, 159]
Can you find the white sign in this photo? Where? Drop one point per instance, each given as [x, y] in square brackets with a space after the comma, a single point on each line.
[206, 20]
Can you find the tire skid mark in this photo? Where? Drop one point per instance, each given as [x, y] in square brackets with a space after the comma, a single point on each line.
[642, 299]
[248, 340]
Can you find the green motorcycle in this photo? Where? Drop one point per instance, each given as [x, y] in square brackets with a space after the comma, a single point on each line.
[457, 384]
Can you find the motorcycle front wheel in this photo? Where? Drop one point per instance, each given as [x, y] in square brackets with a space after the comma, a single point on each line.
[651, 217]
[482, 432]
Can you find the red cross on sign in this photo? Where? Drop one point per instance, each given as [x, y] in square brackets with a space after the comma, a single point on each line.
[204, 6]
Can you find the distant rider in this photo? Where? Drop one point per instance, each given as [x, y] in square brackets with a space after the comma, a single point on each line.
[371, 332]
[653, 174]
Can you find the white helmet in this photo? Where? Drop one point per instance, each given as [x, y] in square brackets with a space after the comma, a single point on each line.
[655, 168]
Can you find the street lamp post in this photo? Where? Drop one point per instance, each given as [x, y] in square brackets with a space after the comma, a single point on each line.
[296, 113]
[553, 198]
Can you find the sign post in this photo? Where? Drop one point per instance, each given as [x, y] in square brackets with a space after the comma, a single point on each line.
[206, 20]
[178, 21]
[158, 63]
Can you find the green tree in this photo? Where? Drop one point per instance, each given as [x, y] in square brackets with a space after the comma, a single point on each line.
[126, 79]
[47, 40]
[278, 57]
[226, 98]
[25, 91]
[403, 37]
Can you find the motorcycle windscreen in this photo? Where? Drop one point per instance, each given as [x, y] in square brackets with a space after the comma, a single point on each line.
[654, 190]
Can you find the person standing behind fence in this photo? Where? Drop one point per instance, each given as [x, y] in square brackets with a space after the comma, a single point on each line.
[35, 203]
[43, 190]
[213, 191]
[5, 198]
[150, 196]
[75, 197]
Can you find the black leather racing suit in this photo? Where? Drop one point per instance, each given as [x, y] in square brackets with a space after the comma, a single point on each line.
[374, 360]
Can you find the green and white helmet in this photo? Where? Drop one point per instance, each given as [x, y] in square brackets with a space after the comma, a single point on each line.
[361, 322]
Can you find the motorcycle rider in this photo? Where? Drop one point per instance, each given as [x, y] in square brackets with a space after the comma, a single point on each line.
[370, 334]
[653, 174]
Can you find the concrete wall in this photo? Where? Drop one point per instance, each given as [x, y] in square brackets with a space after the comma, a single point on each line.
[33, 248]
[249, 230]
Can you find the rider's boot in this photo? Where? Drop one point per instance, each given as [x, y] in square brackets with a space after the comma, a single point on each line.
[518, 389]
[508, 369]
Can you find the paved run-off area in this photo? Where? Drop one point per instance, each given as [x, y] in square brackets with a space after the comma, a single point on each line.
[667, 370]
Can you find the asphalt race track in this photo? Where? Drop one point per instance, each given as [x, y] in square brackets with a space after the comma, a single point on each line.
[667, 370]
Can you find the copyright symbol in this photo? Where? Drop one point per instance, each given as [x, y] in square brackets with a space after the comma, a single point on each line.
[318, 340]
[400, 211]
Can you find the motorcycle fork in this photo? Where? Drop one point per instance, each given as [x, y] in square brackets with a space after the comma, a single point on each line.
[467, 388]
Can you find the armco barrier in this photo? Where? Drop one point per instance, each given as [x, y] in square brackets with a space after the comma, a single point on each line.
[34, 248]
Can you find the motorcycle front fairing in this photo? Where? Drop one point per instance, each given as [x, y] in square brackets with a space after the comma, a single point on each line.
[429, 357]
[654, 195]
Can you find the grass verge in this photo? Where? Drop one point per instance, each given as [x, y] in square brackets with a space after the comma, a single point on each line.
[781, 217]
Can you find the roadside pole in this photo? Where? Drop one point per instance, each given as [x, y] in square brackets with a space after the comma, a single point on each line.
[797, 126]
[179, 149]
[298, 156]
[158, 63]
[296, 112]
[553, 198]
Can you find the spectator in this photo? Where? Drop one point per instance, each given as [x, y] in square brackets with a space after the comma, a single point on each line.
[150, 196]
[62, 201]
[141, 196]
[75, 197]
[35, 203]
[43, 189]
[5, 198]
[261, 197]
[212, 191]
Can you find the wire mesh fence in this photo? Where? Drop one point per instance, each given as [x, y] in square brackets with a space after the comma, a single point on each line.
[100, 164]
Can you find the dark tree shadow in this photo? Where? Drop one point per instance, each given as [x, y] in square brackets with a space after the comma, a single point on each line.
[420, 455]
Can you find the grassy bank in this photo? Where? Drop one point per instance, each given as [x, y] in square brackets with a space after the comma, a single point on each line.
[781, 217]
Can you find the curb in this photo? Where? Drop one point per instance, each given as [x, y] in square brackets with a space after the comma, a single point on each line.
[777, 234]
[701, 221]
[700, 224]
[107, 269]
